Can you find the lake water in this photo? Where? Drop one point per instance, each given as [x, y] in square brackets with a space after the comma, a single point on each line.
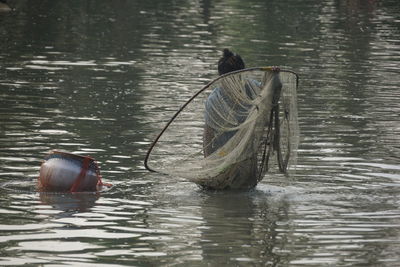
[102, 77]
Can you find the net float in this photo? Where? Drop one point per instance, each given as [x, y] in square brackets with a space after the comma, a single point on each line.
[63, 171]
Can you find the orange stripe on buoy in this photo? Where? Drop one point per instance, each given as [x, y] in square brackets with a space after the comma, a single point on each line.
[82, 174]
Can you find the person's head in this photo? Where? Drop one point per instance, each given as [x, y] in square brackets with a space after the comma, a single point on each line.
[229, 62]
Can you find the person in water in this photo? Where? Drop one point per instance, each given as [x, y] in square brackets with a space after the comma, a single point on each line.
[226, 108]
[219, 103]
[229, 62]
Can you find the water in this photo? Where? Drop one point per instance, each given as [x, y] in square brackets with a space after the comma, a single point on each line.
[101, 78]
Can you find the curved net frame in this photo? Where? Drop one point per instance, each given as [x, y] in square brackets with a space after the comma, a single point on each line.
[228, 134]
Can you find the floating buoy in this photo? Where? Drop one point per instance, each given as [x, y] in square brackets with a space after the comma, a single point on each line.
[62, 171]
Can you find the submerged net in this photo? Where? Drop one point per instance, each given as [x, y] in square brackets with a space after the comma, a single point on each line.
[231, 132]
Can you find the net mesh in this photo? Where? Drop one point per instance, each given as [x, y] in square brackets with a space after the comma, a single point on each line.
[231, 132]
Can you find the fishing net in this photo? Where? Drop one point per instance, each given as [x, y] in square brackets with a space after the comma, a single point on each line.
[232, 131]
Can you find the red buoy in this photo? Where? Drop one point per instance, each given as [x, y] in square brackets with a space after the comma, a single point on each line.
[62, 171]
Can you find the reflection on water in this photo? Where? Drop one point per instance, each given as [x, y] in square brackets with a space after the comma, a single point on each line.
[256, 231]
[76, 202]
[102, 78]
